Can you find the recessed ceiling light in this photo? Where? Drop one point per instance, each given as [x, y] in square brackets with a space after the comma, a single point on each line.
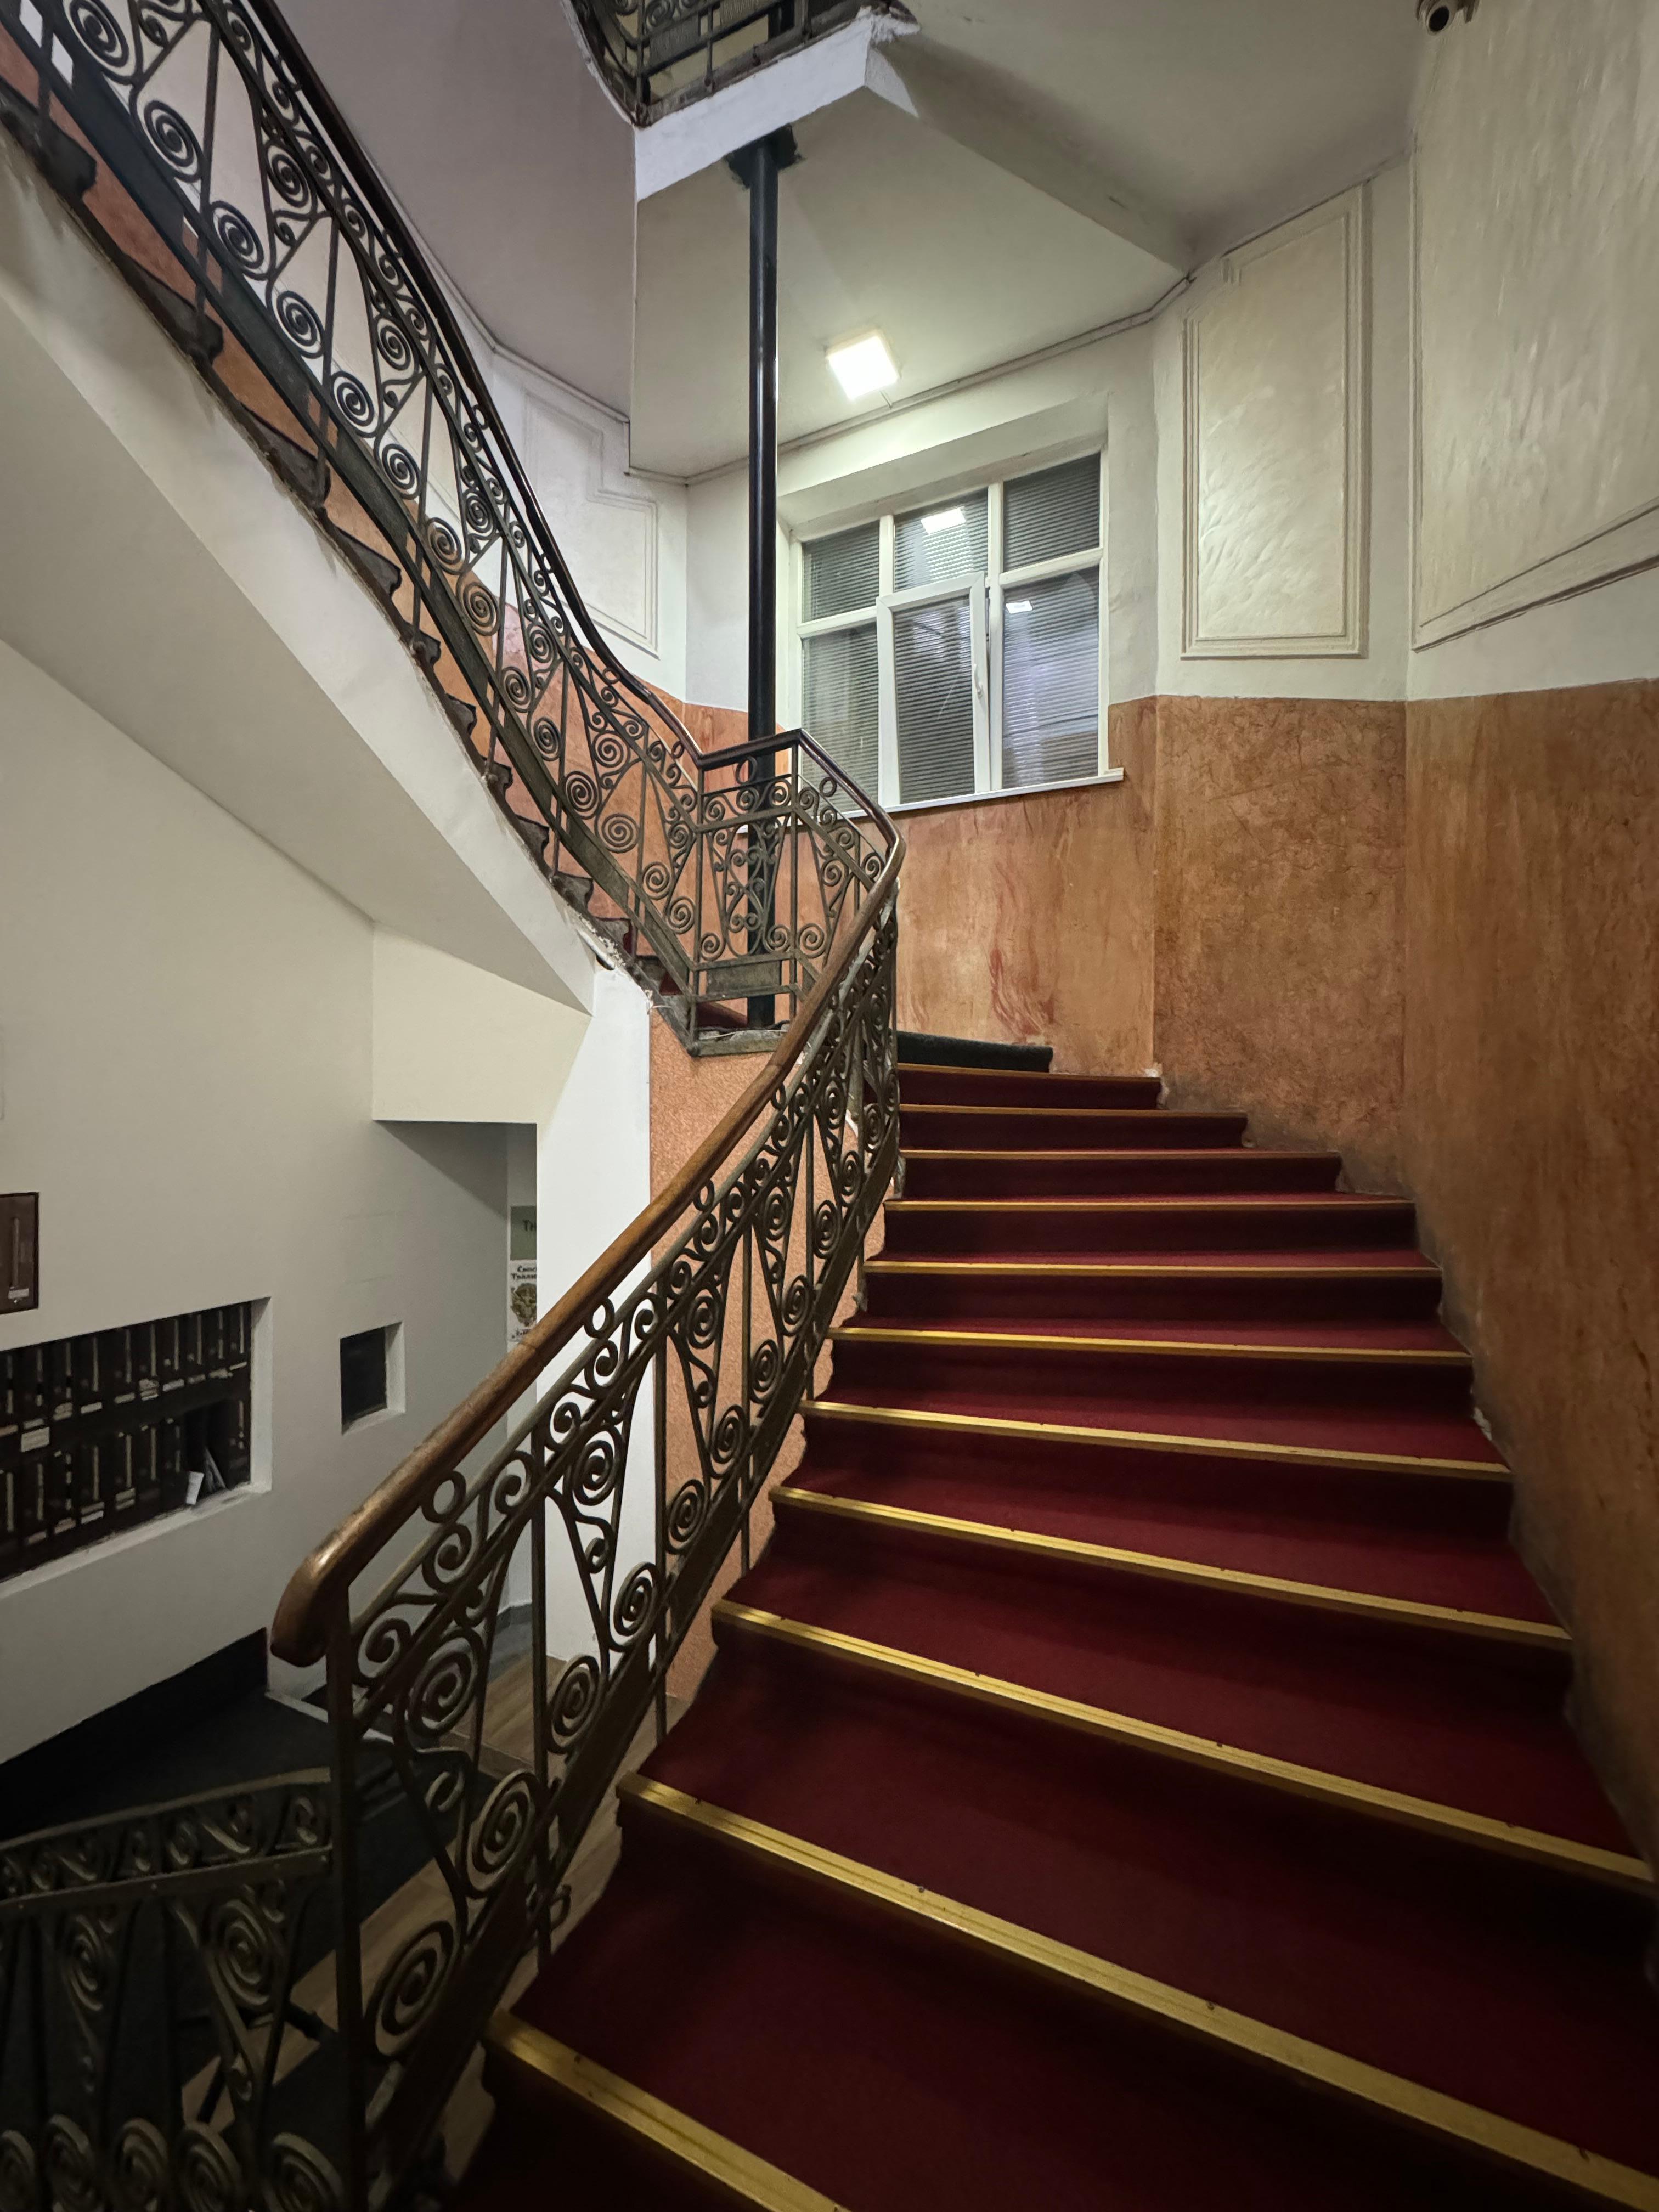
[863, 366]
[1019, 606]
[948, 517]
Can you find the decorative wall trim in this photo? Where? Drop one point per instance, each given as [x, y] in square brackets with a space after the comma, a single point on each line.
[1624, 548]
[610, 529]
[1351, 212]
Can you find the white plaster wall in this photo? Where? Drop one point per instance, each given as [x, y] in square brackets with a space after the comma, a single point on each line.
[1280, 515]
[454, 1043]
[1274, 502]
[186, 1018]
[623, 535]
[593, 1180]
[1537, 271]
[1536, 317]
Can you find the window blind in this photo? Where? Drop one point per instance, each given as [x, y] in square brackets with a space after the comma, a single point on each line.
[1051, 680]
[943, 544]
[933, 688]
[1057, 511]
[840, 700]
[843, 572]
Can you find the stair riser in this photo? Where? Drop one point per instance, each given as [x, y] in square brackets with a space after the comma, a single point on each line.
[1301, 1490]
[1078, 1379]
[945, 1087]
[1227, 1631]
[1173, 1173]
[987, 1299]
[933, 1131]
[982, 1232]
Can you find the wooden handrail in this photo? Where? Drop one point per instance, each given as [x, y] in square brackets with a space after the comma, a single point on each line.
[322, 1582]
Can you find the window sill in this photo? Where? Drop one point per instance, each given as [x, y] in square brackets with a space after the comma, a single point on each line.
[995, 797]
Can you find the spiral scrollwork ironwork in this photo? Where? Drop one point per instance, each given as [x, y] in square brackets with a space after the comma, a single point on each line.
[722, 879]
[716, 879]
[118, 1941]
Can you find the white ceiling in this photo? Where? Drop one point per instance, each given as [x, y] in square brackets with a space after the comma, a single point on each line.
[884, 224]
[1067, 159]
[1222, 115]
[483, 118]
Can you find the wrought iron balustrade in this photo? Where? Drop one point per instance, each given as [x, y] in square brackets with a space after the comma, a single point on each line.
[669, 1377]
[235, 197]
[207, 160]
[151, 2052]
[653, 54]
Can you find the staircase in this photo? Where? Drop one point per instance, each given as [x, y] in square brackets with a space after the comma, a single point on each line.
[1135, 1772]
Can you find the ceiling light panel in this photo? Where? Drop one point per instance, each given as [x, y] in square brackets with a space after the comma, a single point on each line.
[863, 366]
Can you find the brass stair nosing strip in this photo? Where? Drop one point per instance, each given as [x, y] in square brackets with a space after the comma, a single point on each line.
[1067, 1967]
[1555, 1854]
[1164, 1115]
[621, 2106]
[1341, 1203]
[1321, 1597]
[1380, 1355]
[1241, 1266]
[1024, 1074]
[1188, 1152]
[1460, 1470]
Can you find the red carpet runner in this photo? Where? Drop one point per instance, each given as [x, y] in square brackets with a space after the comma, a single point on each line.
[1134, 1775]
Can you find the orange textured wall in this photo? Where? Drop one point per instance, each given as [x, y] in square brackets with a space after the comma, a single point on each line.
[1029, 920]
[1532, 1108]
[1280, 849]
[1428, 935]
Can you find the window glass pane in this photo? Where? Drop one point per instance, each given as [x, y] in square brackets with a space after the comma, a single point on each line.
[1056, 511]
[843, 572]
[840, 700]
[943, 544]
[1051, 680]
[933, 680]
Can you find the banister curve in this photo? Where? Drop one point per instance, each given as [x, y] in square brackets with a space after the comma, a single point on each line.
[298, 1633]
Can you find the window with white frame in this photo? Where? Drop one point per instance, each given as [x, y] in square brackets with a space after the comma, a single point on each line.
[954, 651]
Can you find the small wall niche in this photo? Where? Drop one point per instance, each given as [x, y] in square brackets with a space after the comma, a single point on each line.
[371, 1375]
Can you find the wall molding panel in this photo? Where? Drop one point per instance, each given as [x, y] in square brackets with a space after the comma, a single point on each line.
[1534, 279]
[607, 526]
[1276, 462]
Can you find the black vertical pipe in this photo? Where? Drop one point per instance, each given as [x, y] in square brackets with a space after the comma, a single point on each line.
[763, 165]
[758, 165]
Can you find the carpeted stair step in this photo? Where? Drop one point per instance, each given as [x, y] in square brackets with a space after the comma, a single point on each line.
[1045, 1128]
[1383, 1284]
[1303, 1494]
[976, 1086]
[1078, 1365]
[572, 2133]
[1457, 1724]
[1309, 1542]
[1504, 1986]
[1228, 1171]
[890, 2070]
[1408, 1440]
[1074, 1227]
